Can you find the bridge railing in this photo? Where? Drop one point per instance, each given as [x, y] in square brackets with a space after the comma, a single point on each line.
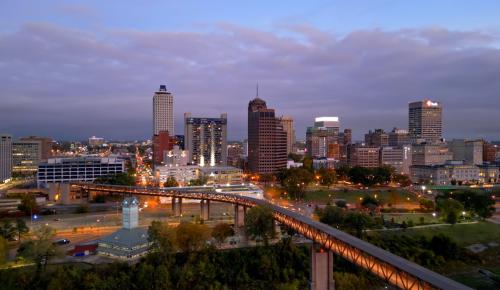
[391, 268]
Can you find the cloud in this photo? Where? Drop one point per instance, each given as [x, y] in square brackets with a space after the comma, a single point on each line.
[71, 83]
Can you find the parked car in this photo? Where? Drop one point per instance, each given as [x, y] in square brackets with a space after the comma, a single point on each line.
[61, 242]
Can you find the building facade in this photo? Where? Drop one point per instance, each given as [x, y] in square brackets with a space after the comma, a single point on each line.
[206, 140]
[377, 138]
[425, 121]
[364, 156]
[46, 150]
[222, 175]
[397, 157]
[398, 137]
[267, 141]
[163, 111]
[26, 155]
[162, 144]
[5, 157]
[176, 157]
[182, 174]
[430, 154]
[287, 123]
[453, 172]
[95, 141]
[64, 170]
[319, 137]
[489, 152]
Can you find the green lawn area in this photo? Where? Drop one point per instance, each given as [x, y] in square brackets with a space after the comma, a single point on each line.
[463, 234]
[415, 217]
[394, 196]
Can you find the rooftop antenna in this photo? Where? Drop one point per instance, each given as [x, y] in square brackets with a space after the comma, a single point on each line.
[257, 89]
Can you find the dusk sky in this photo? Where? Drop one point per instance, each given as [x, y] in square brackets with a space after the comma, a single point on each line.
[72, 69]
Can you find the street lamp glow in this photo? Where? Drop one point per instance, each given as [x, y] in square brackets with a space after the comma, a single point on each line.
[434, 214]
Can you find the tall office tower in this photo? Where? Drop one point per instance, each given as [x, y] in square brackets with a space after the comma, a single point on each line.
[26, 155]
[319, 137]
[267, 140]
[489, 152]
[287, 123]
[206, 139]
[162, 143]
[425, 121]
[163, 111]
[398, 137]
[377, 138]
[347, 136]
[46, 150]
[5, 157]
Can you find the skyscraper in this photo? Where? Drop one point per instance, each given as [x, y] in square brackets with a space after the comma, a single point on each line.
[425, 121]
[5, 157]
[319, 137]
[287, 123]
[267, 141]
[206, 139]
[163, 111]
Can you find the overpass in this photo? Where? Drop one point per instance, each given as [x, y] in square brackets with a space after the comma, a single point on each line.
[389, 267]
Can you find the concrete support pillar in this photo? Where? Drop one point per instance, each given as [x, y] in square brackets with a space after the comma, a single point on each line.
[239, 215]
[205, 209]
[65, 193]
[321, 268]
[177, 206]
[53, 191]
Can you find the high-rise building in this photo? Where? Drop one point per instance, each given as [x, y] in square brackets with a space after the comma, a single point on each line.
[5, 157]
[235, 154]
[163, 111]
[267, 140]
[345, 138]
[377, 138]
[26, 155]
[46, 150]
[162, 143]
[489, 152]
[398, 137]
[287, 123]
[425, 121]
[319, 137]
[206, 139]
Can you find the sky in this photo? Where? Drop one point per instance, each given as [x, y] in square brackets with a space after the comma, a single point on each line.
[73, 69]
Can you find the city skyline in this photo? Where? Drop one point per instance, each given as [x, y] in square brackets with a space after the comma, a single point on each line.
[65, 78]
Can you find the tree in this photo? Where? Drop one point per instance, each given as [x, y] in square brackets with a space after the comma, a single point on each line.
[358, 222]
[28, 204]
[40, 248]
[370, 202]
[327, 176]
[7, 229]
[341, 203]
[295, 181]
[342, 172]
[198, 182]
[362, 175]
[294, 157]
[480, 203]
[116, 179]
[331, 215]
[171, 182]
[191, 237]
[259, 223]
[21, 228]
[221, 232]
[448, 207]
[451, 218]
[403, 179]
[161, 237]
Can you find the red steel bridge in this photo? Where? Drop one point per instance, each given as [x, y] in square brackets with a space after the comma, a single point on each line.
[389, 267]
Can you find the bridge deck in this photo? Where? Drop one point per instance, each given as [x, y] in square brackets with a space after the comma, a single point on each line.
[393, 269]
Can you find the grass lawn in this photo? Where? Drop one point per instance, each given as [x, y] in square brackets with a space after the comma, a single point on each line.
[463, 234]
[395, 196]
[415, 217]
